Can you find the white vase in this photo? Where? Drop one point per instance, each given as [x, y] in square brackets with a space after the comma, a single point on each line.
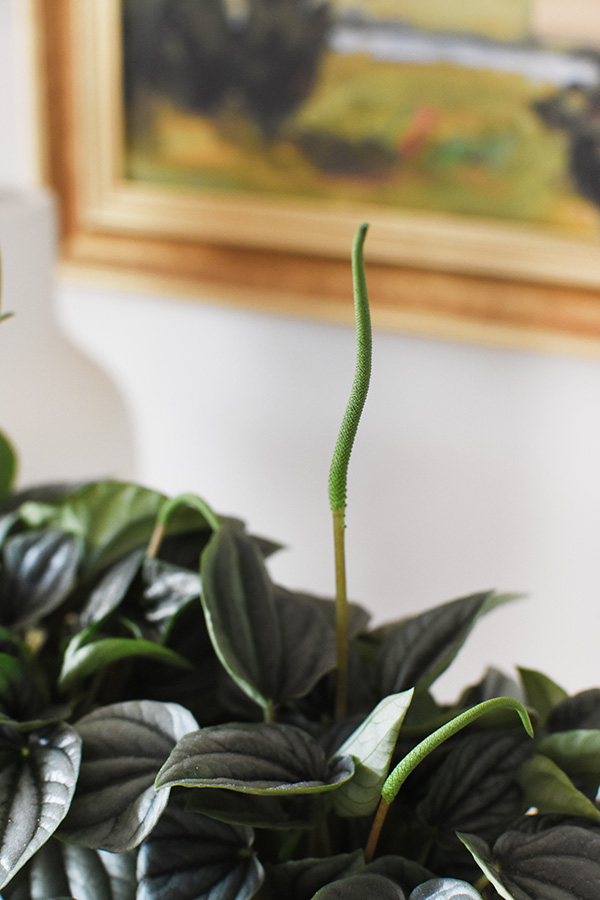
[60, 410]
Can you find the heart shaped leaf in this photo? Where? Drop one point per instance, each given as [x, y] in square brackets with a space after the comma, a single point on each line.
[299, 879]
[275, 644]
[37, 783]
[59, 869]
[83, 657]
[416, 651]
[541, 693]
[577, 752]
[550, 790]
[279, 812]
[112, 588]
[38, 571]
[475, 788]
[124, 745]
[259, 758]
[361, 887]
[191, 857]
[445, 889]
[167, 589]
[371, 746]
[113, 517]
[560, 863]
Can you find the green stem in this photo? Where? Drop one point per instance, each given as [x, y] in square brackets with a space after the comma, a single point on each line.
[399, 775]
[169, 507]
[341, 603]
[338, 473]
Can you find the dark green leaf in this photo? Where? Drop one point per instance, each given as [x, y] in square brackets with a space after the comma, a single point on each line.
[300, 879]
[480, 852]
[259, 758]
[580, 711]
[112, 588]
[278, 812]
[275, 644]
[65, 869]
[38, 572]
[550, 790]
[37, 782]
[8, 466]
[113, 517]
[124, 745]
[85, 656]
[371, 747]
[361, 887]
[416, 651]
[561, 863]
[476, 786]
[577, 752]
[167, 589]
[405, 872]
[542, 694]
[190, 857]
[445, 889]
[493, 684]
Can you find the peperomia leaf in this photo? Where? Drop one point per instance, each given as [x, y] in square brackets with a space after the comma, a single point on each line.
[560, 863]
[124, 745]
[361, 887]
[8, 466]
[444, 889]
[299, 879]
[113, 517]
[577, 752]
[542, 694]
[476, 788]
[37, 782]
[276, 645]
[112, 588]
[371, 746]
[84, 656]
[278, 812]
[258, 758]
[166, 590]
[150, 589]
[414, 652]
[59, 869]
[38, 571]
[580, 711]
[550, 790]
[191, 857]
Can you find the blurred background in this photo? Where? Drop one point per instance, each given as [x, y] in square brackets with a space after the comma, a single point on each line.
[476, 466]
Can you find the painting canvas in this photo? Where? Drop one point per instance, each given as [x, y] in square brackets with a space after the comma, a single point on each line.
[483, 108]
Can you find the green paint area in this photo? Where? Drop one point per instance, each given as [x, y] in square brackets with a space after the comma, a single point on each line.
[504, 20]
[425, 137]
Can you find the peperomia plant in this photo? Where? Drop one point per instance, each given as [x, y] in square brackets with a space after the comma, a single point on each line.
[176, 726]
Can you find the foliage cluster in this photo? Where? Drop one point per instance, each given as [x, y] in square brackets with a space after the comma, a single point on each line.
[172, 725]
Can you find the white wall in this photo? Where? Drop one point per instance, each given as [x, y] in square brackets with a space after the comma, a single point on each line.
[474, 467]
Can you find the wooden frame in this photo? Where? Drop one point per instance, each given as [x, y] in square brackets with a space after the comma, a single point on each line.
[432, 274]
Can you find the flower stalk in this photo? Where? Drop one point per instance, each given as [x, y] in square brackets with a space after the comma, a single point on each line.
[338, 474]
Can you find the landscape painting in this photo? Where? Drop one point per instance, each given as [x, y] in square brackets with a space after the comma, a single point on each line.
[467, 108]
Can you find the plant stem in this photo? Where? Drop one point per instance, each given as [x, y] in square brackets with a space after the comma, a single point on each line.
[338, 473]
[396, 779]
[168, 508]
[382, 810]
[341, 603]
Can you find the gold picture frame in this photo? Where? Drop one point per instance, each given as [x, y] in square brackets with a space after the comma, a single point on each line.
[429, 272]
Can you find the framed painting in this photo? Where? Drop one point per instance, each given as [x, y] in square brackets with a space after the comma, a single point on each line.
[230, 148]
